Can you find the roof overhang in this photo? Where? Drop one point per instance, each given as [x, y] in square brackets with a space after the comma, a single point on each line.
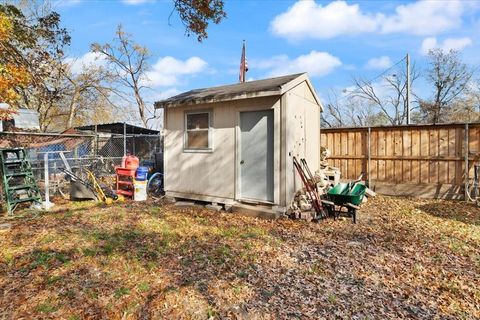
[222, 98]
[279, 91]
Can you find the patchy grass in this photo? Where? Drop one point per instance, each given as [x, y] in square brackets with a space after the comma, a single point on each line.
[403, 259]
[47, 307]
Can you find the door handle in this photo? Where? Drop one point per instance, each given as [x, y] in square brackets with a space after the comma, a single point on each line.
[242, 162]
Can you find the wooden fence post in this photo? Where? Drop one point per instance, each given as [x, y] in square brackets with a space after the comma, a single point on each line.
[369, 147]
[467, 171]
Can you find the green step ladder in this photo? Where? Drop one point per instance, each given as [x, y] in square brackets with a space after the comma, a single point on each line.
[19, 183]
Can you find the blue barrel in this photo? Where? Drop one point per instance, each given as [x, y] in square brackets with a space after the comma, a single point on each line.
[141, 174]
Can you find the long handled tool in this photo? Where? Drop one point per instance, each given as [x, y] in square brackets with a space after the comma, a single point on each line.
[74, 177]
[108, 199]
[93, 185]
[317, 205]
[306, 168]
[352, 184]
[308, 174]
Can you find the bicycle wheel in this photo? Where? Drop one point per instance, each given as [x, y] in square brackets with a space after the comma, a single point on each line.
[155, 183]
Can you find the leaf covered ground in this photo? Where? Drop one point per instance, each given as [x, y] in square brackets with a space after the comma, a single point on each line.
[404, 258]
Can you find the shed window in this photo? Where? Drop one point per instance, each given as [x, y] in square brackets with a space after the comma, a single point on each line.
[197, 135]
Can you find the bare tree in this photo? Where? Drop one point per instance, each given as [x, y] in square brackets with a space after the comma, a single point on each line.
[86, 89]
[389, 95]
[450, 78]
[475, 94]
[47, 98]
[347, 110]
[467, 107]
[332, 116]
[128, 61]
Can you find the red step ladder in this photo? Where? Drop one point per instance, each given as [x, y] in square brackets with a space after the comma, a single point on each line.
[125, 179]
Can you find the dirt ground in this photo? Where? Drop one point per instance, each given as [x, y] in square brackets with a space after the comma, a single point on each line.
[404, 258]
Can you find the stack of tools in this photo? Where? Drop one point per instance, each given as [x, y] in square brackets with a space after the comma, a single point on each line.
[89, 188]
[307, 204]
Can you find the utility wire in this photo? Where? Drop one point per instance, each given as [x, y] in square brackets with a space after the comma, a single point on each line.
[385, 71]
[369, 82]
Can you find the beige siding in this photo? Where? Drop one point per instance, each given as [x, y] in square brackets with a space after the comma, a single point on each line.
[207, 173]
[303, 137]
[213, 174]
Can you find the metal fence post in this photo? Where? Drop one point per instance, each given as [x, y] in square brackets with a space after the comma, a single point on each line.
[124, 139]
[133, 143]
[467, 171]
[95, 142]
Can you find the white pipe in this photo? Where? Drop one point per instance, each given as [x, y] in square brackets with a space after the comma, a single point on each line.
[45, 165]
[46, 204]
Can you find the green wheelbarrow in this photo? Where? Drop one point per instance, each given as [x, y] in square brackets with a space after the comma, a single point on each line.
[345, 195]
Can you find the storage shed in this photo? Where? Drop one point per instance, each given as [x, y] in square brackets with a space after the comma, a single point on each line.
[235, 144]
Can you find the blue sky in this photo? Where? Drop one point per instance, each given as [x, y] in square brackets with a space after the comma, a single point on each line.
[332, 41]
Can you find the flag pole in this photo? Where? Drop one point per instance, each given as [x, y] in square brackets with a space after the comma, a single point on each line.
[244, 57]
[243, 64]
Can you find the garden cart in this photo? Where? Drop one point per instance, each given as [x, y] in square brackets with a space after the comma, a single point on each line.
[346, 195]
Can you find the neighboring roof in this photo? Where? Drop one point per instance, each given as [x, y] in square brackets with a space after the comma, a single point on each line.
[117, 127]
[26, 111]
[66, 140]
[4, 106]
[250, 89]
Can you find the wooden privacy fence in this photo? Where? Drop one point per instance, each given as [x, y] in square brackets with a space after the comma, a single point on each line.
[411, 160]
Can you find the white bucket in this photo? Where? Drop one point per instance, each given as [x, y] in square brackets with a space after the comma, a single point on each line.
[140, 193]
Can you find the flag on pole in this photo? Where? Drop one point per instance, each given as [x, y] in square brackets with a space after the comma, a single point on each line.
[243, 64]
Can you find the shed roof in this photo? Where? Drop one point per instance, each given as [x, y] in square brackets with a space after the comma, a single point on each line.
[250, 89]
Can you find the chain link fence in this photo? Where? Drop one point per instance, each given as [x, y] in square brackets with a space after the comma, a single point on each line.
[114, 146]
[100, 153]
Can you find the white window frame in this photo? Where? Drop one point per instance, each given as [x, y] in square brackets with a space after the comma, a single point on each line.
[210, 132]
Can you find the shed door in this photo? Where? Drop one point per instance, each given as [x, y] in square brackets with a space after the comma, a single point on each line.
[256, 155]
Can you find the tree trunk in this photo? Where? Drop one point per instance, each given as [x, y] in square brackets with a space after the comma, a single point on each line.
[72, 109]
[141, 108]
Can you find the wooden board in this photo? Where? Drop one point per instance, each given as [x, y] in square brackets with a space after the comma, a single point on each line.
[423, 155]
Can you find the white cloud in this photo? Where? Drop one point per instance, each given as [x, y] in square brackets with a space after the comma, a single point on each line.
[88, 60]
[447, 44]
[428, 44]
[425, 17]
[382, 62]
[162, 95]
[307, 19]
[168, 70]
[316, 63]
